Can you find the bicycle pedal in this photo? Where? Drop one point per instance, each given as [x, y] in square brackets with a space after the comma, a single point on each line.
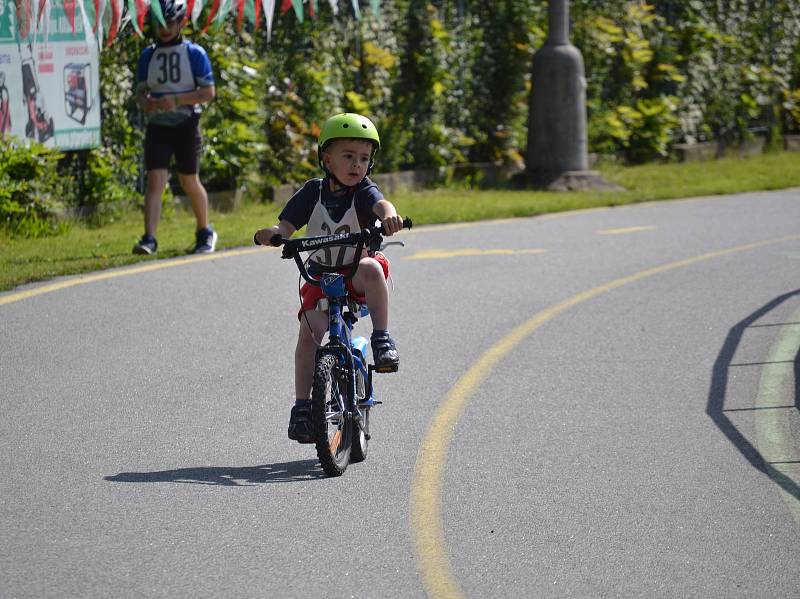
[387, 368]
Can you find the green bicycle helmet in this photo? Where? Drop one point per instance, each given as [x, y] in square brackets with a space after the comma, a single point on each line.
[348, 125]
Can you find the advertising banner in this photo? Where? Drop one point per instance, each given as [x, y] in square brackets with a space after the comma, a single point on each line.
[49, 75]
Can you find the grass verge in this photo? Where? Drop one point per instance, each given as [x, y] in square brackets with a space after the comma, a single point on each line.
[84, 249]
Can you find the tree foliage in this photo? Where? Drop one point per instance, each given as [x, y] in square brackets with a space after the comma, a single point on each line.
[447, 81]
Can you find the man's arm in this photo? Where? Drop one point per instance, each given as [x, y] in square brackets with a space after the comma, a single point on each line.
[143, 98]
[201, 95]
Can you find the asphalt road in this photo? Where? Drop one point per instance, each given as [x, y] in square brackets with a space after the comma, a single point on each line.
[595, 404]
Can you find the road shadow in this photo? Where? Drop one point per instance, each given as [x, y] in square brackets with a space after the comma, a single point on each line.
[228, 476]
[715, 407]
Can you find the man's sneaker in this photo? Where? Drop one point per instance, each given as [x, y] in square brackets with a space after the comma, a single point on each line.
[301, 429]
[147, 245]
[384, 353]
[206, 241]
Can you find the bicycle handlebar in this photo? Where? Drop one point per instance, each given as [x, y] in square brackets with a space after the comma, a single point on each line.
[292, 248]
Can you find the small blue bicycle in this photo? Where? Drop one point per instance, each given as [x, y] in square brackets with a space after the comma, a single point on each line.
[342, 394]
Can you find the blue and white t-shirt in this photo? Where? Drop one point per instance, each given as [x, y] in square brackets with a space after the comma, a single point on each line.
[173, 68]
[300, 207]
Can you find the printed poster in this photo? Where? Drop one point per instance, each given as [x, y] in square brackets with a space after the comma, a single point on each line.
[49, 75]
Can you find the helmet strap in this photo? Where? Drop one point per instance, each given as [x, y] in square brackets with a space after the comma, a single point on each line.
[336, 180]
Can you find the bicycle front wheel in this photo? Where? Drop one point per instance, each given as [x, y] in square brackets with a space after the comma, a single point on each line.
[332, 426]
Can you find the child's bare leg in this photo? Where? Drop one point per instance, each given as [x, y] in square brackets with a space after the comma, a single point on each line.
[370, 283]
[307, 343]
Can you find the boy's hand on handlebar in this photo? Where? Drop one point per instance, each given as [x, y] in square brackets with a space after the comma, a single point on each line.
[264, 236]
[392, 224]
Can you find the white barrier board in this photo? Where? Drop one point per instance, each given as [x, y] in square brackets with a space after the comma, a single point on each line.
[49, 78]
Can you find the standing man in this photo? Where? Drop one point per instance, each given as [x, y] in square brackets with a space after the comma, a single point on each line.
[173, 79]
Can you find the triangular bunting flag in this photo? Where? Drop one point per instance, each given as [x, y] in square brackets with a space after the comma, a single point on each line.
[69, 10]
[141, 13]
[132, 16]
[189, 10]
[155, 8]
[298, 9]
[197, 9]
[87, 28]
[211, 14]
[116, 16]
[239, 14]
[106, 17]
[269, 13]
[96, 15]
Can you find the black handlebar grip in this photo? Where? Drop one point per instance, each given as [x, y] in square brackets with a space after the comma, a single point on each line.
[256, 241]
[277, 240]
[407, 224]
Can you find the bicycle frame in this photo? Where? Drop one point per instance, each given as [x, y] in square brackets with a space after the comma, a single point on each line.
[350, 352]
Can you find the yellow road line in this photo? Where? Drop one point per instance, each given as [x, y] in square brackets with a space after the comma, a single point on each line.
[625, 230]
[426, 488]
[441, 254]
[125, 272]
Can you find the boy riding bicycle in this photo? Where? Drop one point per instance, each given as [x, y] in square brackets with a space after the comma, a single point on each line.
[344, 201]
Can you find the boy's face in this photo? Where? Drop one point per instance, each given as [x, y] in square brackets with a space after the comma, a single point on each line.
[168, 33]
[348, 159]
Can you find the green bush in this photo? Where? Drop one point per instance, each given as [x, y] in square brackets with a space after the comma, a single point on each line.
[104, 195]
[233, 123]
[32, 191]
[445, 81]
[631, 72]
[115, 165]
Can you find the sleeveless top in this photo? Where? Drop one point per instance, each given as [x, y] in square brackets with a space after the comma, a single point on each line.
[321, 223]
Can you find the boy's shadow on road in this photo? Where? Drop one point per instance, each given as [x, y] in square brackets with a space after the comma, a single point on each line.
[301, 470]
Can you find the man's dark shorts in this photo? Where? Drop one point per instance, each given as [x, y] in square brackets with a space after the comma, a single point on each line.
[183, 140]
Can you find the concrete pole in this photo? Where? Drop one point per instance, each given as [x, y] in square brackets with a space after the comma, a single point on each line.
[557, 152]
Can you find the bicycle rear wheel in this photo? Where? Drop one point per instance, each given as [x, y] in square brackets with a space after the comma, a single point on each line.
[332, 426]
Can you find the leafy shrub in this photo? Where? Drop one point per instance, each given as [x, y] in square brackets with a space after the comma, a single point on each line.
[31, 189]
[644, 130]
[233, 123]
[104, 194]
[791, 109]
[631, 112]
[115, 165]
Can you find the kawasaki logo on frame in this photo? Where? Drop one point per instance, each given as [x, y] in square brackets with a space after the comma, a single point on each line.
[310, 243]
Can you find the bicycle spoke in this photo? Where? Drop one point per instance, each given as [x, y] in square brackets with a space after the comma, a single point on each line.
[335, 442]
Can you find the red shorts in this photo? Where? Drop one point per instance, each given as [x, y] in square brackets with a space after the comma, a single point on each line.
[311, 294]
